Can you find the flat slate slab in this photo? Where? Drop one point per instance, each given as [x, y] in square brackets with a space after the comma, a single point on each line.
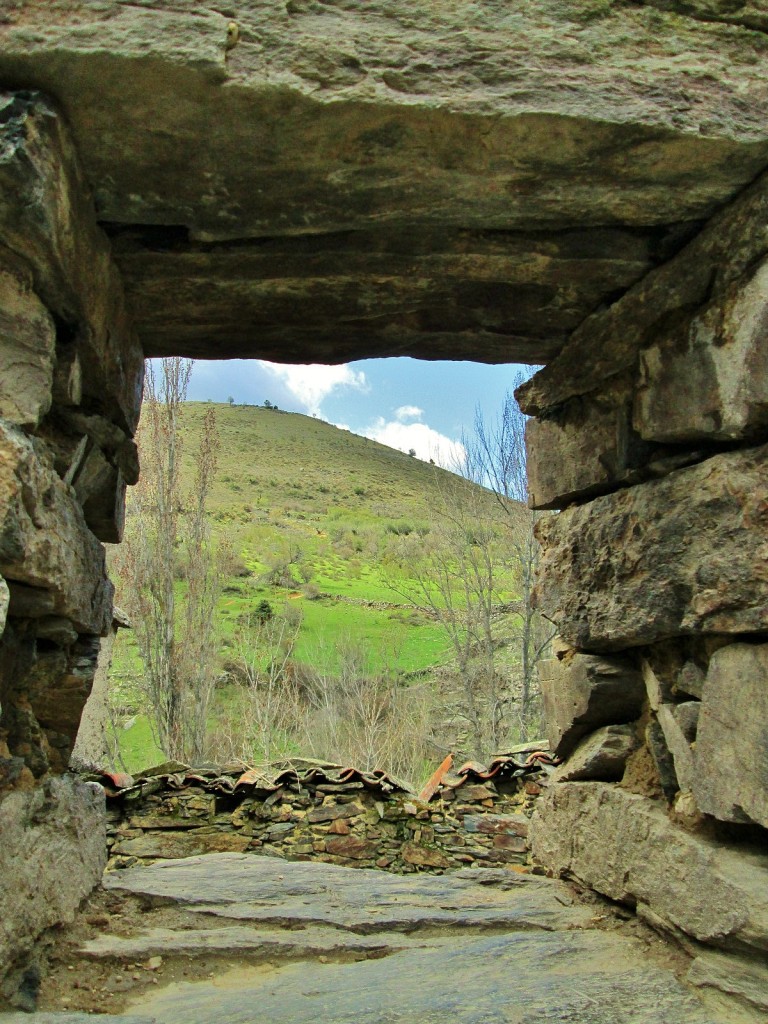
[522, 978]
[311, 943]
[261, 889]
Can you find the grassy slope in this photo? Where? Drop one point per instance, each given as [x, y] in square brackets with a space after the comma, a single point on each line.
[288, 483]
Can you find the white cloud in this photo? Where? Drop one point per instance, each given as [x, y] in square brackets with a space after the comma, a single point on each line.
[426, 442]
[408, 412]
[310, 385]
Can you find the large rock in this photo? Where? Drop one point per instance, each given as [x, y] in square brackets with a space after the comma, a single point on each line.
[27, 352]
[48, 221]
[721, 355]
[249, 888]
[744, 978]
[611, 405]
[683, 294]
[582, 449]
[486, 980]
[601, 755]
[626, 847]
[438, 181]
[44, 541]
[583, 691]
[52, 854]
[683, 555]
[730, 780]
[429, 958]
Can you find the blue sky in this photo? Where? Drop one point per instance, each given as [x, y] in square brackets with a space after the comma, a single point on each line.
[404, 403]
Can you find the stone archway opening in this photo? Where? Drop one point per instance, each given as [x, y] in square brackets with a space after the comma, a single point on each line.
[304, 201]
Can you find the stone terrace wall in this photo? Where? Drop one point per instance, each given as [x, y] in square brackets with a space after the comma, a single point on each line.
[70, 388]
[339, 822]
[650, 435]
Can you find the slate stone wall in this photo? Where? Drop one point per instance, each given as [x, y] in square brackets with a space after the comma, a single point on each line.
[650, 436]
[71, 375]
[484, 824]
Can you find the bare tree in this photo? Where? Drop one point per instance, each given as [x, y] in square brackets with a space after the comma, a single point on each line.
[459, 575]
[265, 717]
[495, 458]
[361, 714]
[167, 543]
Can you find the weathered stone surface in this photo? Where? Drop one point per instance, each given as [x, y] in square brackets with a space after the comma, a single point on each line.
[27, 352]
[350, 846]
[690, 681]
[239, 940]
[5, 598]
[678, 746]
[44, 541]
[627, 848]
[583, 691]
[735, 976]
[669, 298]
[661, 755]
[424, 856]
[679, 556]
[602, 755]
[332, 811]
[100, 490]
[583, 448]
[687, 717]
[47, 219]
[730, 779]
[49, 834]
[596, 979]
[414, 975]
[244, 887]
[497, 824]
[722, 357]
[547, 117]
[173, 844]
[91, 744]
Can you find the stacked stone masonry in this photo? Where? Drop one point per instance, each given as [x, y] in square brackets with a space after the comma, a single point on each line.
[480, 823]
[650, 436]
[70, 386]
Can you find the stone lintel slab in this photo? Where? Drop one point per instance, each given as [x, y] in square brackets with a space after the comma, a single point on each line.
[53, 853]
[323, 122]
[683, 555]
[626, 847]
[45, 543]
[732, 732]
[48, 223]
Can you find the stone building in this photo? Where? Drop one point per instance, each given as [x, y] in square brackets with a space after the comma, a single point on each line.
[580, 185]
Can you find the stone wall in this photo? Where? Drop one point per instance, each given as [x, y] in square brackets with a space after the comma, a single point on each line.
[323, 816]
[70, 387]
[650, 435]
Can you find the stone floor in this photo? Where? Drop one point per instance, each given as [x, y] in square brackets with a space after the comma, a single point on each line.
[242, 939]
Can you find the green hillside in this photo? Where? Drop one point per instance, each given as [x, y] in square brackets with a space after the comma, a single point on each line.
[313, 518]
